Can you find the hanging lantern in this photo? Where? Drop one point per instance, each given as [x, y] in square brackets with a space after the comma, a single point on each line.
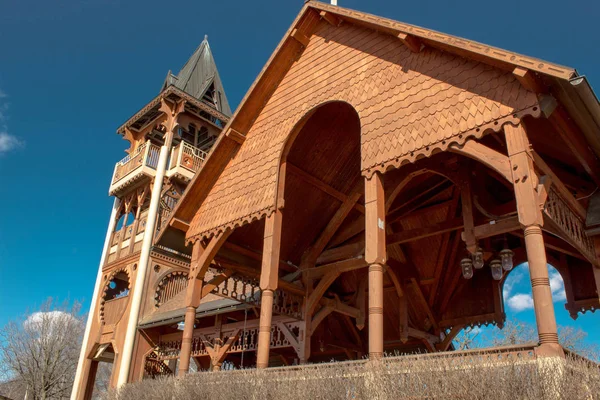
[506, 256]
[466, 266]
[478, 259]
[496, 267]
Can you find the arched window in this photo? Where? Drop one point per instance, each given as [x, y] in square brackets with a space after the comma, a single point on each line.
[169, 286]
[117, 286]
[125, 220]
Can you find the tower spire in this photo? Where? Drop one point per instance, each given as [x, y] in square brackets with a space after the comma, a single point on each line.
[200, 78]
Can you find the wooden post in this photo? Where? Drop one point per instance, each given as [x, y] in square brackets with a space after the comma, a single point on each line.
[192, 301]
[525, 183]
[268, 284]
[375, 255]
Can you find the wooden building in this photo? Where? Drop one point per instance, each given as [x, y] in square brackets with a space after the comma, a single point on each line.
[370, 194]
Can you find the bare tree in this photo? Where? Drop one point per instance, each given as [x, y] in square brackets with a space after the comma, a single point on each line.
[517, 332]
[41, 349]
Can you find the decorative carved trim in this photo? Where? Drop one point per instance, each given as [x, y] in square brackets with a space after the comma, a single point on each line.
[443, 145]
[169, 286]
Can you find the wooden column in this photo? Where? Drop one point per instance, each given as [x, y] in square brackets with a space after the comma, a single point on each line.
[525, 183]
[192, 301]
[269, 277]
[375, 256]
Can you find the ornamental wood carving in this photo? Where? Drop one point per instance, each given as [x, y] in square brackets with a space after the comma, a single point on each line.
[410, 105]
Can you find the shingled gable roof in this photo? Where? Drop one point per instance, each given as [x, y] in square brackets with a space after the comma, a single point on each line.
[573, 91]
[197, 76]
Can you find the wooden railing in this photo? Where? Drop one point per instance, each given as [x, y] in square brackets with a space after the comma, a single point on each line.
[247, 340]
[154, 368]
[246, 290]
[570, 225]
[187, 156]
[146, 154]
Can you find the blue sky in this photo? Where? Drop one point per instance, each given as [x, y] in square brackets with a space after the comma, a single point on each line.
[72, 71]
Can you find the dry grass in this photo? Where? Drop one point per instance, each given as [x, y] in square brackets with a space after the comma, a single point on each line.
[441, 377]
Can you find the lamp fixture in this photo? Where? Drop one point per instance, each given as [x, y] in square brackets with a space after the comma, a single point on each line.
[478, 258]
[496, 267]
[466, 266]
[506, 257]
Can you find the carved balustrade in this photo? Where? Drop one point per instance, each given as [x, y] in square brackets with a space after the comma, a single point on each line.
[283, 334]
[187, 156]
[247, 290]
[568, 224]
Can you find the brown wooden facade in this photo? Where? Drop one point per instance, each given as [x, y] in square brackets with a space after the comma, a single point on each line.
[334, 212]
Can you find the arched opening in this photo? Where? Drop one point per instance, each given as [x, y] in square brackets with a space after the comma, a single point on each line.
[117, 287]
[126, 219]
[323, 192]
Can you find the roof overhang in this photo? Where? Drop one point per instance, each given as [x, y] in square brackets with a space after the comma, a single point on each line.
[171, 92]
[571, 89]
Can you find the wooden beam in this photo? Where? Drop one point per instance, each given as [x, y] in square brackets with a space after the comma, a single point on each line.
[319, 317]
[179, 224]
[565, 194]
[498, 227]
[556, 244]
[214, 282]
[466, 198]
[309, 257]
[198, 269]
[257, 256]
[341, 253]
[576, 142]
[236, 136]
[529, 80]
[443, 256]
[338, 306]
[416, 202]
[315, 296]
[481, 153]
[421, 299]
[415, 333]
[411, 235]
[321, 185]
[338, 267]
[300, 37]
[410, 41]
[349, 231]
[445, 344]
[330, 18]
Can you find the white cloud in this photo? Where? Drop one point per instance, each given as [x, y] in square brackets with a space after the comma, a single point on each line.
[557, 286]
[8, 142]
[520, 302]
[513, 279]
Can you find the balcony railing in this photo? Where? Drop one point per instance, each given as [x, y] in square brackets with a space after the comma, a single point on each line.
[142, 161]
[185, 161]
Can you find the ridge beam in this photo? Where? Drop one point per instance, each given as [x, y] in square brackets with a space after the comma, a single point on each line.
[410, 41]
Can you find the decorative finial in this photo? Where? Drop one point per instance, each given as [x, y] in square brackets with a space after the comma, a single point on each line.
[206, 38]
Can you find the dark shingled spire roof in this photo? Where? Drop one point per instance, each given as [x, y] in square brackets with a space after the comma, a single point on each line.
[199, 78]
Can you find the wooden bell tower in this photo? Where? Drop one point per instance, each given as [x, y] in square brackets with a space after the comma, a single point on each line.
[170, 139]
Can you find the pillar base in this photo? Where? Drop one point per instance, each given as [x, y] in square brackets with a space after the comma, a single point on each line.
[550, 350]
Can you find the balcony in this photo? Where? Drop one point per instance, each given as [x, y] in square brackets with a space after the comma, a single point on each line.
[185, 161]
[140, 164]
